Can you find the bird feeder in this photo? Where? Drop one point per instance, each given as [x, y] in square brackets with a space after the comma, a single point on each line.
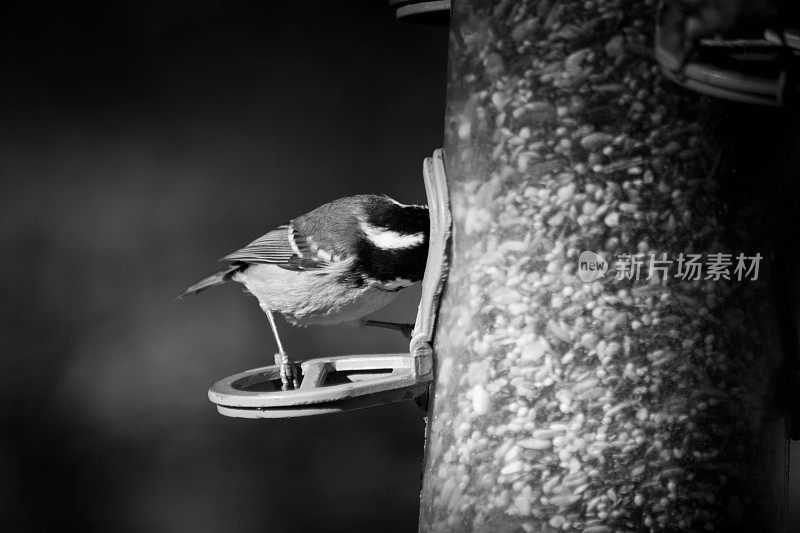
[348, 382]
[754, 71]
[587, 381]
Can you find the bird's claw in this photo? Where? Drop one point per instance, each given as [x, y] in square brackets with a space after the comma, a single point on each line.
[290, 375]
[406, 330]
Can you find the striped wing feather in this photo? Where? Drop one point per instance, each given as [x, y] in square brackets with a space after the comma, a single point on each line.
[276, 248]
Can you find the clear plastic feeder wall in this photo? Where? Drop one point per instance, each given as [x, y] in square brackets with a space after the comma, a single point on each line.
[621, 306]
[347, 382]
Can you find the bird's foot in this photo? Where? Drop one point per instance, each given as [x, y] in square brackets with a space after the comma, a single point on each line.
[405, 329]
[289, 371]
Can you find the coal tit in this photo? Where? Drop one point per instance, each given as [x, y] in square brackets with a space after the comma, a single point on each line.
[337, 263]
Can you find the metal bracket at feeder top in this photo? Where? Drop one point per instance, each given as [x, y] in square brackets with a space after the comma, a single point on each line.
[347, 382]
[752, 71]
[431, 11]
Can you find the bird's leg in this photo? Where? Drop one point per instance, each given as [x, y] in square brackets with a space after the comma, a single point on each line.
[290, 378]
[405, 329]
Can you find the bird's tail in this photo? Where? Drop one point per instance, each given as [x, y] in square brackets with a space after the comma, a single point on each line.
[218, 278]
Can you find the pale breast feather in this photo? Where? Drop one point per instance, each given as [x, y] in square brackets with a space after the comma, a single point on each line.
[304, 298]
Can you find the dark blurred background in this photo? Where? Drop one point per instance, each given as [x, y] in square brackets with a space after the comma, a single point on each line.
[139, 143]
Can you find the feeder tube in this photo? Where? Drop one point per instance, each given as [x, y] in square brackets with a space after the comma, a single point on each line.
[611, 345]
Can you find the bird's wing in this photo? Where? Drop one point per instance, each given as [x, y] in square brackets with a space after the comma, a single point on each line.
[283, 247]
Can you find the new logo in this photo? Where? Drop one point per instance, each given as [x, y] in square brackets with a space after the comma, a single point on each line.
[591, 266]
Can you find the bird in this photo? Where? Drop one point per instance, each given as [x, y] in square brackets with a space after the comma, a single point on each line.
[337, 263]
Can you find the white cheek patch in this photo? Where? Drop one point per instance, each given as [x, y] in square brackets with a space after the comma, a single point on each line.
[390, 240]
[395, 202]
